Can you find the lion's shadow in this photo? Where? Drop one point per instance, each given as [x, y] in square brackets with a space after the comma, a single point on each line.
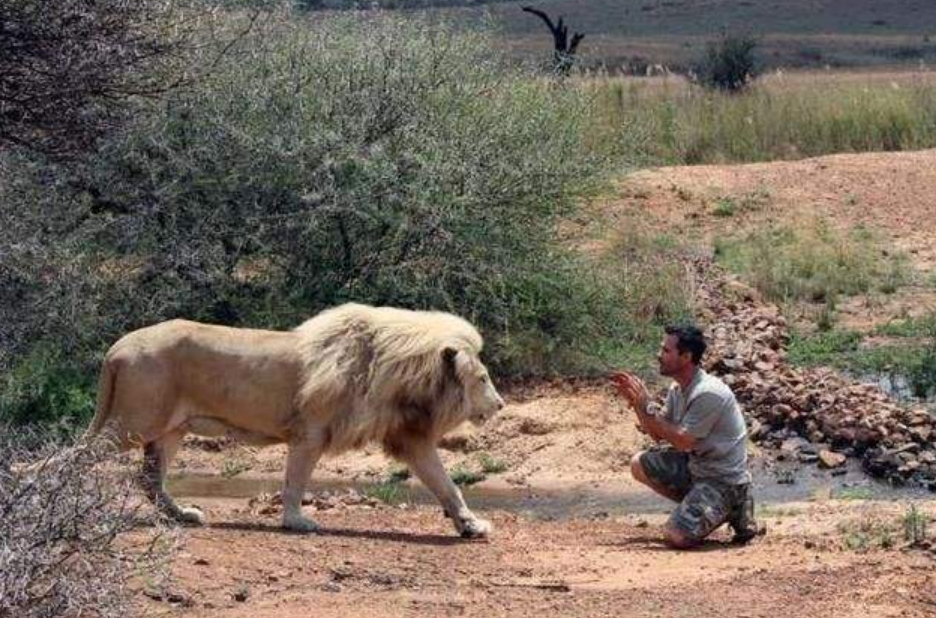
[441, 540]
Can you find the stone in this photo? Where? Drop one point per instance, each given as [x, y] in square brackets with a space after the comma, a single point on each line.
[831, 459]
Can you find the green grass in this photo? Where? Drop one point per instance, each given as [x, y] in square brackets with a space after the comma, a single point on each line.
[388, 492]
[812, 263]
[491, 465]
[463, 477]
[854, 493]
[777, 512]
[398, 474]
[232, 467]
[909, 328]
[822, 348]
[914, 361]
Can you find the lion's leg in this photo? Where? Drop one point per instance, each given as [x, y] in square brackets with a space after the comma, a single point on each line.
[300, 461]
[156, 458]
[423, 459]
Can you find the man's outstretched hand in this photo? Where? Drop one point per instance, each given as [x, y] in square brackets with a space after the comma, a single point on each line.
[632, 389]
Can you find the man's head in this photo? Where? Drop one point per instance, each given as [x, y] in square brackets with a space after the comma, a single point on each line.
[681, 350]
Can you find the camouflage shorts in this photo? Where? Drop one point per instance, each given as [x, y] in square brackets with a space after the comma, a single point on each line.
[706, 504]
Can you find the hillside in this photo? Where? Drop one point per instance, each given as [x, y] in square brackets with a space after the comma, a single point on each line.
[839, 33]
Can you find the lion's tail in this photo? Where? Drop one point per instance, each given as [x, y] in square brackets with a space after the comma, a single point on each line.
[105, 398]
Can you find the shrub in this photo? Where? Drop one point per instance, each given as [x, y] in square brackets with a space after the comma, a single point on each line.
[46, 389]
[59, 94]
[729, 64]
[66, 550]
[914, 524]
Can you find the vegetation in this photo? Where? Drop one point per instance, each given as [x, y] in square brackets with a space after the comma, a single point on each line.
[780, 117]
[729, 64]
[59, 94]
[914, 523]
[367, 158]
[908, 362]
[66, 551]
[491, 465]
[461, 476]
[870, 532]
[812, 262]
[389, 492]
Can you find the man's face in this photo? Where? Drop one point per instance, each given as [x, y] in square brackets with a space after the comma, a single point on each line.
[671, 360]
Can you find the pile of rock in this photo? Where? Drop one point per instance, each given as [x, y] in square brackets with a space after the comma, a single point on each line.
[838, 416]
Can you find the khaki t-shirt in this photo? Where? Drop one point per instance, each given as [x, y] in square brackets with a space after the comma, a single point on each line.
[709, 412]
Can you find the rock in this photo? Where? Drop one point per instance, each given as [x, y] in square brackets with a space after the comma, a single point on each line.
[831, 459]
[535, 427]
[792, 446]
[805, 457]
[460, 443]
[241, 594]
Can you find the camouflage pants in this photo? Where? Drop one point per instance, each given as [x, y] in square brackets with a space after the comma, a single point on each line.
[705, 503]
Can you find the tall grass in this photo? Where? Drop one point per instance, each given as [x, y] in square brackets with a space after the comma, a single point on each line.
[781, 117]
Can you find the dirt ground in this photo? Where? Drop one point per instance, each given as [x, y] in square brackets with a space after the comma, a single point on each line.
[574, 535]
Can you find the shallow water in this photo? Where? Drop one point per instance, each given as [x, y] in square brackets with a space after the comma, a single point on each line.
[801, 483]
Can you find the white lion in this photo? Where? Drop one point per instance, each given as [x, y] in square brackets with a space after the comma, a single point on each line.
[350, 375]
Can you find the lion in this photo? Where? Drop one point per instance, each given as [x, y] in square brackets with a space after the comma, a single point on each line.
[349, 376]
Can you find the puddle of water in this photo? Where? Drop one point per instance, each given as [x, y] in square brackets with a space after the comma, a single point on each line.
[808, 483]
[898, 387]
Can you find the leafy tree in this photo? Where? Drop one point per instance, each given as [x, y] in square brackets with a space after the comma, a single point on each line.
[729, 64]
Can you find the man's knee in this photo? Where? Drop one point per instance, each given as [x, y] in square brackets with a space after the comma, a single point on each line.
[637, 470]
[678, 539]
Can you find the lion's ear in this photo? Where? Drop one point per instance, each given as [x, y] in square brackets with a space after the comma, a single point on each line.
[448, 356]
[457, 361]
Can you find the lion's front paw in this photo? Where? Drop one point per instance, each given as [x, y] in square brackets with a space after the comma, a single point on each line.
[298, 523]
[473, 528]
[191, 516]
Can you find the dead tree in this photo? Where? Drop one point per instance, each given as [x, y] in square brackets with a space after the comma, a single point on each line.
[564, 54]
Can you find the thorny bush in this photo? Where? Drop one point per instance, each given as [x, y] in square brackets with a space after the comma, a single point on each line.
[65, 519]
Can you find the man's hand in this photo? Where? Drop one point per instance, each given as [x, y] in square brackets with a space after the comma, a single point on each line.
[632, 389]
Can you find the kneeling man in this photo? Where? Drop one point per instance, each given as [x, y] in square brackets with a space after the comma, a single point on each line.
[703, 463]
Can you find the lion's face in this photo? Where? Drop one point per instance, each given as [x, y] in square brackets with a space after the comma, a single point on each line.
[482, 401]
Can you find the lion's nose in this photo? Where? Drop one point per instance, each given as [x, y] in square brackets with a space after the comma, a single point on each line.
[500, 404]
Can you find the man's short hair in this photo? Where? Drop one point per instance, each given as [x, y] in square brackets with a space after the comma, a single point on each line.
[688, 339]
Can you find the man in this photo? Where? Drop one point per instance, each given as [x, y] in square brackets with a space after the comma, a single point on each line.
[704, 465]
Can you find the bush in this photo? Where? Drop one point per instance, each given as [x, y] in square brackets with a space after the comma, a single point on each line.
[45, 389]
[729, 64]
[58, 93]
[66, 549]
[366, 158]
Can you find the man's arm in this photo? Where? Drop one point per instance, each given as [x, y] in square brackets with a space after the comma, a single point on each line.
[661, 429]
[635, 392]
